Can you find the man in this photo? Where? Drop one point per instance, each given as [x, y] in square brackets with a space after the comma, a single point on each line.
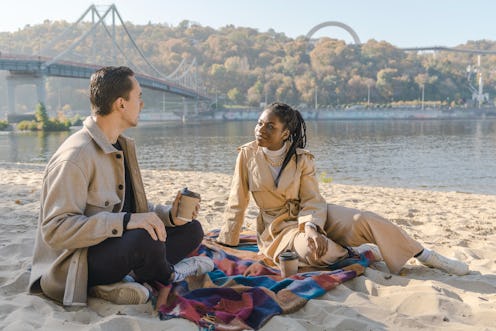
[95, 225]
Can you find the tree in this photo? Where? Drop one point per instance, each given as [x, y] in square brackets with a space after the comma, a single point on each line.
[385, 82]
[41, 116]
[422, 80]
[306, 86]
[237, 64]
[254, 96]
[234, 96]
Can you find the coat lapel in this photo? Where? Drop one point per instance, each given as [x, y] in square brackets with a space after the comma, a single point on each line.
[262, 166]
[287, 176]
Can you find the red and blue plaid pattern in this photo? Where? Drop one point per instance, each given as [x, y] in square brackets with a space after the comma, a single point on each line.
[243, 292]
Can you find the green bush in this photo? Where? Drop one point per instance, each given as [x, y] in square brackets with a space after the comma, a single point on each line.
[77, 121]
[324, 178]
[56, 125]
[27, 126]
[43, 123]
[4, 125]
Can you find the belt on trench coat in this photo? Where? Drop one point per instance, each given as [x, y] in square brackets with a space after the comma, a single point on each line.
[290, 210]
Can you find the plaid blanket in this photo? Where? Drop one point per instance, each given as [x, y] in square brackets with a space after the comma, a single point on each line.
[243, 291]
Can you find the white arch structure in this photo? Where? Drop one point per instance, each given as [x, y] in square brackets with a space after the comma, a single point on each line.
[334, 23]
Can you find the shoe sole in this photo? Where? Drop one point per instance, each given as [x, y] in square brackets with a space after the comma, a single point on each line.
[120, 295]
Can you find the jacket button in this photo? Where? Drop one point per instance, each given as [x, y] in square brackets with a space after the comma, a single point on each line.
[118, 156]
[121, 186]
[114, 231]
[107, 203]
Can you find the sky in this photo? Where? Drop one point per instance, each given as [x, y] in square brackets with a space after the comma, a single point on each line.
[413, 23]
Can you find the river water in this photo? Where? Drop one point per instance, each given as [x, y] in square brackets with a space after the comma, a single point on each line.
[442, 155]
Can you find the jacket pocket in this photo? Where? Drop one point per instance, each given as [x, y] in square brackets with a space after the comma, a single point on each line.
[99, 201]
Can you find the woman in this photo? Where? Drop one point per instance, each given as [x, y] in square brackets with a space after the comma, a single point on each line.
[280, 175]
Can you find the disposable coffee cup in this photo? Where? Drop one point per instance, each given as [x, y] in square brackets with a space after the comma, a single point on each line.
[187, 204]
[288, 262]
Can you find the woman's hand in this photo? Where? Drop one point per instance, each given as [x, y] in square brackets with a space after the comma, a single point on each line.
[317, 242]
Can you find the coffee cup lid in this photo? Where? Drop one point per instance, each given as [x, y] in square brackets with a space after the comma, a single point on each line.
[288, 255]
[189, 193]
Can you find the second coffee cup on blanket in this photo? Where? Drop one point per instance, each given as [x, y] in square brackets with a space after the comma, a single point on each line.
[288, 262]
[187, 204]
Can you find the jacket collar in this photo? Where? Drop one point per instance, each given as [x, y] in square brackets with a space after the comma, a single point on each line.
[253, 145]
[287, 175]
[98, 136]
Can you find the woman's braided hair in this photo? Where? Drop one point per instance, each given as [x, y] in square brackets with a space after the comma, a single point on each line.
[294, 122]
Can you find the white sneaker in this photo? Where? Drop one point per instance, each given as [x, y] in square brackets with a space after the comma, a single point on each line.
[455, 267]
[121, 293]
[369, 247]
[192, 266]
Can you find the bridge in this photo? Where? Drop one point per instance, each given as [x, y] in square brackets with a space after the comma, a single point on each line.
[356, 40]
[450, 49]
[34, 69]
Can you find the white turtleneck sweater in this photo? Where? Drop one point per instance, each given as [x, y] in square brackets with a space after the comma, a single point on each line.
[275, 159]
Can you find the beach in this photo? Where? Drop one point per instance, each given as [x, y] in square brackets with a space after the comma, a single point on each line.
[458, 225]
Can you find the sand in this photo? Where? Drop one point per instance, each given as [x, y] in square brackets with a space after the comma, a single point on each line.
[456, 224]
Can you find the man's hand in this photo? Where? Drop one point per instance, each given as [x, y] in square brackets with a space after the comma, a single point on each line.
[175, 207]
[150, 222]
[316, 242]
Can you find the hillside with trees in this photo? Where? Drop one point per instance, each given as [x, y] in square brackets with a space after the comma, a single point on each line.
[241, 66]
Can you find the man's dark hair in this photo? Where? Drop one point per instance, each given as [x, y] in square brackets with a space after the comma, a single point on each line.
[107, 85]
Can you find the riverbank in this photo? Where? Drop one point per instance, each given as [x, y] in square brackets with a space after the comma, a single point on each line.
[175, 118]
[458, 225]
[251, 114]
[401, 113]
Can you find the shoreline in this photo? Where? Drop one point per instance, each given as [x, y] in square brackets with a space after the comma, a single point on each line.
[460, 225]
[41, 167]
[317, 114]
[323, 114]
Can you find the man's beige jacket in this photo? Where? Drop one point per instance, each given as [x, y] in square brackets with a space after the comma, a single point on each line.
[81, 201]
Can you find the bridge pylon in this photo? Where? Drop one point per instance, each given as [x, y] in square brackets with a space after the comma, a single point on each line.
[14, 80]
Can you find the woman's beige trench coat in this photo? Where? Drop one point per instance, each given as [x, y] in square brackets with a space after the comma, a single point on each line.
[284, 210]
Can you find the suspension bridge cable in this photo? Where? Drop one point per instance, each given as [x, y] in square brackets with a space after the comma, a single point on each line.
[117, 45]
[51, 43]
[76, 43]
[171, 76]
[101, 20]
[135, 45]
